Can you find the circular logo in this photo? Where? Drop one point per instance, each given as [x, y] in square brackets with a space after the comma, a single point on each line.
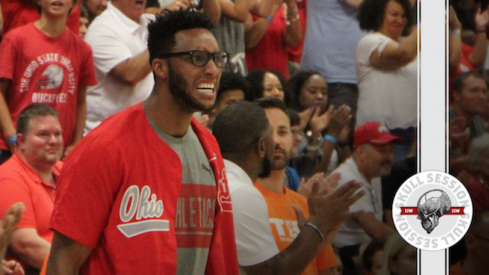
[432, 210]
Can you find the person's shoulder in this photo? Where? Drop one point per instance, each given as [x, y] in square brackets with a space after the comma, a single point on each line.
[348, 171]
[372, 37]
[13, 171]
[296, 197]
[147, 17]
[77, 40]
[19, 33]
[102, 24]
[345, 167]
[119, 127]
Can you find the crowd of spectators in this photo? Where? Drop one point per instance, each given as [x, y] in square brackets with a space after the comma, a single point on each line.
[128, 126]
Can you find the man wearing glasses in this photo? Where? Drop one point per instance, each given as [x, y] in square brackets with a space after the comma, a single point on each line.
[146, 191]
[371, 158]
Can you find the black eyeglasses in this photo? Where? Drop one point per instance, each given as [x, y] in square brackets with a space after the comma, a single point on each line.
[200, 58]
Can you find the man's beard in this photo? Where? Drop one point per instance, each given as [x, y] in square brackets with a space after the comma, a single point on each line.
[266, 167]
[178, 88]
[278, 164]
[385, 169]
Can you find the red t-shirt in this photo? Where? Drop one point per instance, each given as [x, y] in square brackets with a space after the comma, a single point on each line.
[283, 221]
[45, 70]
[270, 53]
[19, 183]
[464, 66]
[295, 53]
[17, 13]
[118, 195]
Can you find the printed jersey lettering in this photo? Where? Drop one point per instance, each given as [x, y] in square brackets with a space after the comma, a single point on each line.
[194, 219]
[54, 69]
[287, 229]
[145, 208]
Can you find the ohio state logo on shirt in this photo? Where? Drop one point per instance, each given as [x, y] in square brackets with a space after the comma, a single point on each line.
[223, 195]
[146, 208]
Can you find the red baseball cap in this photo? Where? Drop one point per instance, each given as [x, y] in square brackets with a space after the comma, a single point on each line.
[375, 133]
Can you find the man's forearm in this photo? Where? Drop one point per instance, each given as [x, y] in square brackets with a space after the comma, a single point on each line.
[255, 32]
[213, 10]
[67, 256]
[133, 70]
[294, 259]
[478, 56]
[33, 251]
[6, 124]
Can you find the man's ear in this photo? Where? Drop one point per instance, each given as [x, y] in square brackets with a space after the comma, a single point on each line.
[20, 140]
[160, 68]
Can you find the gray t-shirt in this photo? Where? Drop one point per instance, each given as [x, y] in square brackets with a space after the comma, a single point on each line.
[331, 39]
[230, 37]
[194, 219]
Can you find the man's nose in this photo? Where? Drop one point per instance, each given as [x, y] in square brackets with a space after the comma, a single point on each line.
[211, 69]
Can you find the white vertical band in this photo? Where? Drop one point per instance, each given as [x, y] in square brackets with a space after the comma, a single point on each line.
[432, 106]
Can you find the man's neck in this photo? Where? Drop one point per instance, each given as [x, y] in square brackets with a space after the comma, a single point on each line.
[362, 169]
[162, 110]
[45, 172]
[52, 27]
[248, 164]
[275, 182]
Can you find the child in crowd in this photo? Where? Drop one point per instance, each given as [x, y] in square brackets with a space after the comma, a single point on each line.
[44, 62]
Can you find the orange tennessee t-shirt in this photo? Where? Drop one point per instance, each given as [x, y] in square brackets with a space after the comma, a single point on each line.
[283, 221]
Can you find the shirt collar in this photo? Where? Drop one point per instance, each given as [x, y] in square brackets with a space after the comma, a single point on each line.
[127, 23]
[233, 168]
[29, 172]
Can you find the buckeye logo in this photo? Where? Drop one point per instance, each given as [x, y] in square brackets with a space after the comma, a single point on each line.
[432, 210]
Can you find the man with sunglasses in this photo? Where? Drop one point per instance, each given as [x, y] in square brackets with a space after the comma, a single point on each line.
[371, 158]
[146, 191]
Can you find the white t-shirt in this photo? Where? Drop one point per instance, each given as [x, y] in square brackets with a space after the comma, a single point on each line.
[389, 97]
[114, 38]
[254, 238]
[351, 232]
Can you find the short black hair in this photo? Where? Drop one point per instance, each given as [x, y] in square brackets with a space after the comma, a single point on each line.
[162, 30]
[256, 77]
[294, 117]
[459, 81]
[371, 14]
[231, 81]
[271, 102]
[33, 111]
[294, 86]
[369, 253]
[238, 128]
